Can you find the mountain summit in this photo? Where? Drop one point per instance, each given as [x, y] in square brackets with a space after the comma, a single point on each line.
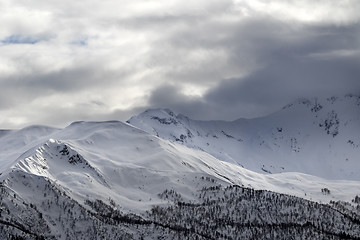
[111, 180]
[314, 136]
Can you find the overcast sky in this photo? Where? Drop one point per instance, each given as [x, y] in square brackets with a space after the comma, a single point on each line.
[64, 60]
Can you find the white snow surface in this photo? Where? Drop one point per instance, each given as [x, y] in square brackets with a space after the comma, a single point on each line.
[317, 136]
[114, 160]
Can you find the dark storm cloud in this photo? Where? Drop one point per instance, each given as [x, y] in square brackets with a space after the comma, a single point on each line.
[170, 96]
[167, 94]
[271, 87]
[296, 61]
[290, 70]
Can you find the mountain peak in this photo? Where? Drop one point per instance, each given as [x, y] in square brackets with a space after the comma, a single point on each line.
[110, 180]
[158, 112]
[311, 135]
[159, 115]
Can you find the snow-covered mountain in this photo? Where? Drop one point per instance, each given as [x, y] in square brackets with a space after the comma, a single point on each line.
[314, 136]
[111, 180]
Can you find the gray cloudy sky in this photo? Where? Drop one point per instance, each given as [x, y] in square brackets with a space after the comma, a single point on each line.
[63, 61]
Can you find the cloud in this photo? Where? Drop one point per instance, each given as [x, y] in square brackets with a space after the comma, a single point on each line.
[207, 59]
[293, 61]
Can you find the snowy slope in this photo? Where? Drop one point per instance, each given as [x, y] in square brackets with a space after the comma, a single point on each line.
[113, 160]
[81, 181]
[319, 137]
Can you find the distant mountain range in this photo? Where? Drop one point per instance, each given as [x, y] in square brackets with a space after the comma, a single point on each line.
[314, 136]
[293, 174]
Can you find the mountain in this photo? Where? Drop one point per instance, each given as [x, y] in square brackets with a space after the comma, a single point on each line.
[313, 136]
[111, 180]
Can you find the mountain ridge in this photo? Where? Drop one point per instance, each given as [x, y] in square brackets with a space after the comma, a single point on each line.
[279, 142]
[111, 180]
